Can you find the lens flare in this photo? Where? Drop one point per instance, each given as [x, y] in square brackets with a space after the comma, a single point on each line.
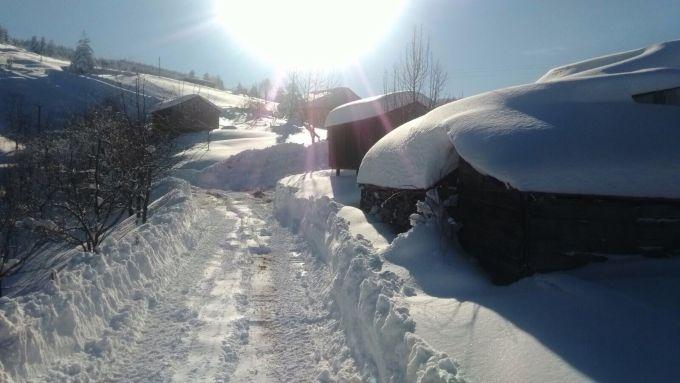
[308, 34]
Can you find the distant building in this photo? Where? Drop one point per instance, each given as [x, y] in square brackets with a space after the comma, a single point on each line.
[354, 127]
[322, 102]
[186, 114]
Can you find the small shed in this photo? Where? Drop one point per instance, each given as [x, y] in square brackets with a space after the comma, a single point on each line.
[321, 103]
[547, 176]
[186, 114]
[353, 128]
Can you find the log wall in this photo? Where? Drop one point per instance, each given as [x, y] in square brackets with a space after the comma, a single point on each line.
[514, 234]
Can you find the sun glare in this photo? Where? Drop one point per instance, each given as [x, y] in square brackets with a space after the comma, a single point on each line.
[308, 34]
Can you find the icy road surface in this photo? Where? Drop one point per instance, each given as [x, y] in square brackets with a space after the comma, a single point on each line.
[246, 306]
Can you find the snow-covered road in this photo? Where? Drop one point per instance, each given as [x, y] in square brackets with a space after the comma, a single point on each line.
[246, 306]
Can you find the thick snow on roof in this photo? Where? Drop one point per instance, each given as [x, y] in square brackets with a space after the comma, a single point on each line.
[415, 155]
[371, 107]
[576, 134]
[664, 55]
[178, 100]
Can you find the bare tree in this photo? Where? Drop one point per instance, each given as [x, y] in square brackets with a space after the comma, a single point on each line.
[20, 241]
[415, 64]
[437, 79]
[417, 71]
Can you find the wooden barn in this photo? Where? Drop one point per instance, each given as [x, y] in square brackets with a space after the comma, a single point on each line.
[354, 127]
[186, 114]
[321, 103]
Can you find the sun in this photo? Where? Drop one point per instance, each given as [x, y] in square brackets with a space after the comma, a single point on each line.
[308, 34]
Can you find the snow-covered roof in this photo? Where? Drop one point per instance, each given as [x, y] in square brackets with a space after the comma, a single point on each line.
[372, 107]
[415, 155]
[178, 100]
[663, 55]
[575, 134]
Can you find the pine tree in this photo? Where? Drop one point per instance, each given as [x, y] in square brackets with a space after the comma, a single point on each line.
[4, 35]
[240, 89]
[42, 45]
[253, 91]
[83, 58]
[50, 49]
[34, 45]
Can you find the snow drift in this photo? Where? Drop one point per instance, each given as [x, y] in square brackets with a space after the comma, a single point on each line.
[262, 168]
[94, 297]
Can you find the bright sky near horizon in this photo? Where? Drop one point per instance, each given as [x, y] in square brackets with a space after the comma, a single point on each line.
[484, 44]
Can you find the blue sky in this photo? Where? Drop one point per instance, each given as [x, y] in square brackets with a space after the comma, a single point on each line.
[484, 44]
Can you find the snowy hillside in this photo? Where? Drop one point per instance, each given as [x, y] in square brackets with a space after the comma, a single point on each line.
[36, 82]
[164, 88]
[44, 82]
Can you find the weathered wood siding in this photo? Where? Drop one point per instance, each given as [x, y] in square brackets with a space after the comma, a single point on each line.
[193, 115]
[514, 234]
[348, 143]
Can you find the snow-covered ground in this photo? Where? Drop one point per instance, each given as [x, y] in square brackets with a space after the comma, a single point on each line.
[37, 81]
[406, 297]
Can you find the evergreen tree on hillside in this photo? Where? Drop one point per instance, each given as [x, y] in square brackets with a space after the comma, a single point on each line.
[253, 91]
[50, 49]
[42, 45]
[4, 35]
[240, 89]
[83, 58]
[34, 45]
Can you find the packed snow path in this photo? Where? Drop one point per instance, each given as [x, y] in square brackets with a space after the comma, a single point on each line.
[246, 306]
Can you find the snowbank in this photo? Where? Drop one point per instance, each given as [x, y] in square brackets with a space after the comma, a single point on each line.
[407, 305]
[262, 168]
[371, 107]
[378, 326]
[93, 301]
[415, 155]
[664, 55]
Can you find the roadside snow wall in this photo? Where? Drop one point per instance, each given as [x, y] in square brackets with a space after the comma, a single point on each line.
[94, 297]
[380, 329]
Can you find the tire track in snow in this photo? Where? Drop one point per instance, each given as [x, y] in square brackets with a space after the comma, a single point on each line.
[292, 336]
[247, 306]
